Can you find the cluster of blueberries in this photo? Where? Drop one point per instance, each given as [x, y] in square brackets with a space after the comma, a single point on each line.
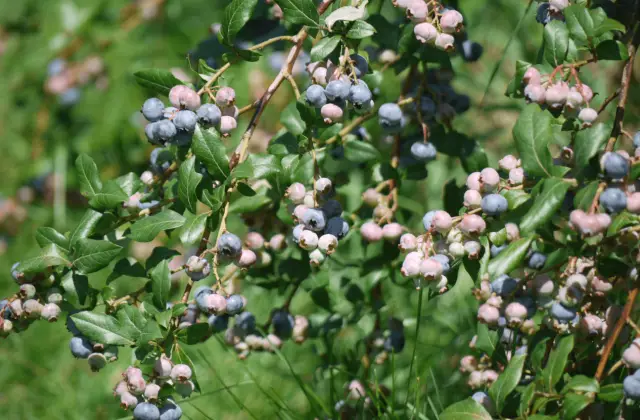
[319, 226]
[573, 101]
[385, 342]
[96, 354]
[147, 398]
[176, 124]
[551, 10]
[65, 79]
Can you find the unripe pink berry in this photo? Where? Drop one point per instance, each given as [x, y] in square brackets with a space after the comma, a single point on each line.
[531, 76]
[494, 300]
[556, 95]
[558, 5]
[181, 373]
[128, 401]
[574, 99]
[600, 286]
[475, 379]
[225, 97]
[32, 308]
[591, 324]
[468, 364]
[308, 200]
[489, 315]
[323, 185]
[278, 242]
[489, 376]
[328, 244]
[308, 240]
[603, 220]
[456, 249]
[431, 269]
[247, 258]
[295, 193]
[451, 21]
[410, 267]
[136, 385]
[215, 303]
[587, 93]
[513, 232]
[319, 76]
[50, 312]
[472, 199]
[473, 181]
[146, 178]
[331, 113]
[445, 42]
[131, 372]
[134, 201]
[371, 232]
[441, 221]
[254, 241]
[356, 390]
[472, 249]
[417, 10]
[515, 313]
[182, 97]
[371, 197]
[163, 367]
[472, 223]
[425, 32]
[535, 94]
[631, 355]
[633, 203]
[227, 125]
[490, 179]
[528, 327]
[516, 176]
[408, 242]
[392, 231]
[151, 392]
[120, 388]
[509, 162]
[588, 116]
[403, 4]
[299, 211]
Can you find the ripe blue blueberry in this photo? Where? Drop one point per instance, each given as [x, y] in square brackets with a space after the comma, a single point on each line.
[395, 342]
[562, 313]
[170, 411]
[494, 204]
[360, 65]
[185, 120]
[229, 245]
[315, 96]
[390, 115]
[218, 323]
[427, 219]
[70, 96]
[332, 208]
[615, 165]
[314, 219]
[153, 109]
[423, 152]
[337, 227]
[461, 103]
[614, 200]
[337, 90]
[297, 231]
[246, 321]
[537, 260]
[496, 250]
[542, 14]
[283, 323]
[359, 94]
[209, 115]
[504, 285]
[200, 295]
[631, 387]
[56, 66]
[444, 262]
[235, 304]
[80, 347]
[471, 51]
[164, 131]
[146, 411]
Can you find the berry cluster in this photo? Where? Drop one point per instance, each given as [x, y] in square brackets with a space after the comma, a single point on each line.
[436, 25]
[66, 79]
[381, 342]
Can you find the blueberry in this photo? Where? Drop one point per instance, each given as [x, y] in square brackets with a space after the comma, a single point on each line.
[504, 285]
[314, 219]
[164, 131]
[337, 227]
[56, 66]
[235, 304]
[218, 323]
[146, 411]
[337, 89]
[496, 250]
[359, 94]
[390, 115]
[631, 387]
[229, 245]
[70, 96]
[494, 204]
[200, 295]
[246, 321]
[542, 14]
[613, 200]
[170, 411]
[332, 208]
[153, 109]
[297, 231]
[444, 261]
[528, 303]
[562, 313]
[80, 347]
[395, 342]
[537, 260]
[360, 65]
[471, 51]
[315, 96]
[185, 120]
[209, 115]
[636, 140]
[423, 152]
[615, 166]
[282, 322]
[183, 138]
[427, 218]
[461, 103]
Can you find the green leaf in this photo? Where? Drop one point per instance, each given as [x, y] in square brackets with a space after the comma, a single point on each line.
[102, 328]
[263, 165]
[76, 288]
[194, 334]
[88, 176]
[301, 12]
[533, 133]
[161, 284]
[545, 205]
[581, 383]
[359, 152]
[515, 198]
[612, 50]
[507, 381]
[526, 398]
[246, 55]
[243, 170]
[611, 393]
[585, 196]
[145, 230]
[324, 48]
[487, 339]
[47, 236]
[210, 150]
[214, 199]
[510, 258]
[573, 404]
[159, 81]
[249, 204]
[538, 354]
[246, 190]
[130, 183]
[292, 120]
[467, 409]
[85, 228]
[50, 256]
[345, 14]
[110, 197]
[193, 229]
[587, 144]
[360, 30]
[92, 255]
[558, 357]
[621, 221]
[579, 22]
[556, 42]
[606, 24]
[188, 180]
[236, 15]
[132, 321]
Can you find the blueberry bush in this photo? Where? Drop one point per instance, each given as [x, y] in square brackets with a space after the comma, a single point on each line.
[305, 213]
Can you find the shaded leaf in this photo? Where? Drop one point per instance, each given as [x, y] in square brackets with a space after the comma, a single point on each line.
[159, 81]
[545, 205]
[558, 357]
[467, 409]
[510, 258]
[88, 176]
[210, 150]
[188, 180]
[507, 381]
[160, 284]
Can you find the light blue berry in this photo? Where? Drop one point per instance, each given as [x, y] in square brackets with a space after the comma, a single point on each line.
[359, 94]
[494, 204]
[615, 166]
[444, 262]
[390, 115]
[235, 304]
[164, 131]
[614, 200]
[337, 89]
[537, 260]
[153, 109]
[427, 218]
[80, 347]
[297, 231]
[496, 250]
[209, 115]
[314, 219]
[229, 245]
[423, 152]
[562, 313]
[170, 411]
[315, 96]
[471, 51]
[636, 139]
[146, 411]
[185, 120]
[504, 285]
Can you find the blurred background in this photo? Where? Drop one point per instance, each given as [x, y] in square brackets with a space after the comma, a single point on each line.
[67, 87]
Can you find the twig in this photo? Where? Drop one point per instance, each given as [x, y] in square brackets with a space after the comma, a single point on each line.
[594, 203]
[203, 245]
[292, 81]
[631, 298]
[610, 99]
